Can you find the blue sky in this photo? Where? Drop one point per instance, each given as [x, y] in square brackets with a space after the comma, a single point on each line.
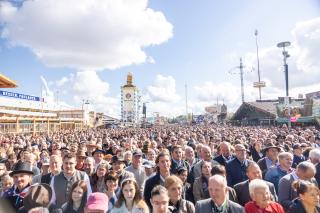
[193, 42]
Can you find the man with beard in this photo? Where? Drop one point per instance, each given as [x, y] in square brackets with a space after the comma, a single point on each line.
[88, 166]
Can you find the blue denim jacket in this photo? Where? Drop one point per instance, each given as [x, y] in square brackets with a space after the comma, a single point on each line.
[274, 174]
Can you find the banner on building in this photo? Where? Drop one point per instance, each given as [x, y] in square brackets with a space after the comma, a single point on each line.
[20, 96]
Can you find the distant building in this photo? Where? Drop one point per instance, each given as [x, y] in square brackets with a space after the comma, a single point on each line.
[130, 103]
[266, 112]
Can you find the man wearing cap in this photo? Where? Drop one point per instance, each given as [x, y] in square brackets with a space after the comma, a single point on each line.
[62, 183]
[271, 158]
[97, 203]
[298, 156]
[118, 166]
[149, 168]
[98, 156]
[22, 176]
[137, 169]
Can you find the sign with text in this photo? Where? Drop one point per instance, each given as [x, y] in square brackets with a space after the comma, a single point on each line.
[20, 96]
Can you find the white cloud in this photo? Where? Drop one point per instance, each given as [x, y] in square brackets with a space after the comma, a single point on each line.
[86, 34]
[87, 85]
[163, 89]
[161, 97]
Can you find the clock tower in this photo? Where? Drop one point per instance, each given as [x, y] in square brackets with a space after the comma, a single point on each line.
[130, 102]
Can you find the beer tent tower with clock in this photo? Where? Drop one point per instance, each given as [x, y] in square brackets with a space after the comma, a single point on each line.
[130, 103]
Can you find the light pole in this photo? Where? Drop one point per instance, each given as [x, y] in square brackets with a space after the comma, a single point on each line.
[286, 55]
[260, 83]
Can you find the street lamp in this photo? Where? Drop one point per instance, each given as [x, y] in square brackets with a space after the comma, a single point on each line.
[286, 55]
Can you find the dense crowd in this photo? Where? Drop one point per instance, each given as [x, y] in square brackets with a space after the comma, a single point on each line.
[179, 169]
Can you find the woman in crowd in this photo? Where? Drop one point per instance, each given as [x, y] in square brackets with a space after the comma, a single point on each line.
[77, 198]
[111, 181]
[130, 199]
[200, 186]
[182, 173]
[174, 186]
[308, 200]
[98, 179]
[261, 199]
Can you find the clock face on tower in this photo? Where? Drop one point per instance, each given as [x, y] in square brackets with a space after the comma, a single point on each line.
[128, 96]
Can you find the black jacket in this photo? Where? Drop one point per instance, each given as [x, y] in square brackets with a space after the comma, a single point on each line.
[298, 207]
[149, 185]
[221, 160]
[243, 195]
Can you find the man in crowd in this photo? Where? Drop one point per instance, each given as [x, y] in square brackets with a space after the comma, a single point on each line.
[163, 162]
[314, 156]
[206, 155]
[298, 156]
[236, 168]
[62, 183]
[190, 156]
[218, 201]
[270, 159]
[137, 169]
[225, 153]
[176, 159]
[242, 188]
[55, 164]
[118, 165]
[22, 176]
[305, 171]
[88, 166]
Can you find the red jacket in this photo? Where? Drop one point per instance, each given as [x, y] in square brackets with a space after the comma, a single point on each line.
[273, 207]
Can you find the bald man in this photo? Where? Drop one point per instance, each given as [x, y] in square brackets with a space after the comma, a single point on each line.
[218, 201]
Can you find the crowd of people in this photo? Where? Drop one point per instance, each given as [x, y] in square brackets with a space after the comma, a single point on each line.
[179, 169]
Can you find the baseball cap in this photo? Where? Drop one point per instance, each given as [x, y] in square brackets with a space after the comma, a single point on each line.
[296, 146]
[115, 159]
[137, 152]
[97, 201]
[149, 164]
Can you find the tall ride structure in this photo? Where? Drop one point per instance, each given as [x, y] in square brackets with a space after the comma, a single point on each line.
[130, 103]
